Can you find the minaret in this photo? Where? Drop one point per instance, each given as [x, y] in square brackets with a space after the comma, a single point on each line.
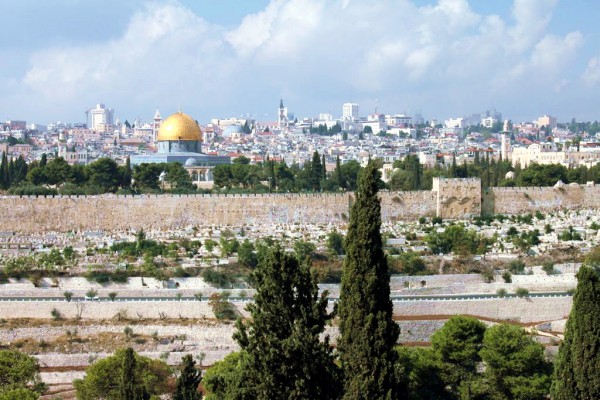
[505, 145]
[156, 125]
[282, 115]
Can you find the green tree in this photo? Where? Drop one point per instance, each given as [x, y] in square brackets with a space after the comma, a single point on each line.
[19, 394]
[104, 174]
[576, 374]
[57, 171]
[368, 333]
[458, 344]
[188, 380]
[128, 390]
[146, 176]
[104, 378]
[516, 367]
[316, 172]
[304, 249]
[247, 255]
[126, 174]
[419, 372]
[335, 243]
[286, 357]
[4, 172]
[19, 372]
[222, 380]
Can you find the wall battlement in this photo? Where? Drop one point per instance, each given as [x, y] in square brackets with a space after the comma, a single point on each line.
[449, 199]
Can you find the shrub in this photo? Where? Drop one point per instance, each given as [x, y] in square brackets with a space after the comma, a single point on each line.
[507, 276]
[487, 275]
[128, 331]
[222, 308]
[68, 296]
[522, 292]
[548, 268]
[219, 279]
[112, 296]
[516, 267]
[501, 293]
[56, 315]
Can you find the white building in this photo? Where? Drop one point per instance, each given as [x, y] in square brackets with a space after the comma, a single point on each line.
[454, 123]
[547, 121]
[350, 111]
[101, 118]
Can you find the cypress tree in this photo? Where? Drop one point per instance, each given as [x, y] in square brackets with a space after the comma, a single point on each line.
[186, 387]
[126, 174]
[43, 160]
[285, 357]
[324, 171]
[368, 333]
[4, 171]
[11, 171]
[576, 366]
[127, 385]
[453, 173]
[338, 174]
[316, 171]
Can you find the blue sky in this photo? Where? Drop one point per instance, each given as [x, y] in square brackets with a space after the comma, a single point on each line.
[221, 58]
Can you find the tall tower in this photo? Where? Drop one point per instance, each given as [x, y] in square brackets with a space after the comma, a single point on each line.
[282, 115]
[350, 111]
[156, 125]
[101, 118]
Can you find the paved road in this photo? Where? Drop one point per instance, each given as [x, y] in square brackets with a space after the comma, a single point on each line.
[446, 297]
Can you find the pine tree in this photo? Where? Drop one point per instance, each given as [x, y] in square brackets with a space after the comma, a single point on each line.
[188, 381]
[285, 357]
[576, 366]
[368, 333]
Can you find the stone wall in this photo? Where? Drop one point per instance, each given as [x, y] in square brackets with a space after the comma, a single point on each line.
[449, 199]
[530, 199]
[457, 198]
[110, 212]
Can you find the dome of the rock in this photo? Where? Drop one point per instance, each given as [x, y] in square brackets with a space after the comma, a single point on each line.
[179, 126]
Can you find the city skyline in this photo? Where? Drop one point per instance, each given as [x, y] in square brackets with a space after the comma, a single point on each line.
[218, 59]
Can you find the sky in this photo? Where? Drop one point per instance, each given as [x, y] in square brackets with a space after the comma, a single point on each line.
[237, 58]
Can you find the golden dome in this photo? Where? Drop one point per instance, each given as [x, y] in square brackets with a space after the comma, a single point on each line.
[179, 126]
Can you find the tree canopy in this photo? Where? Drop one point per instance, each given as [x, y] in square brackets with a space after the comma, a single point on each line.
[104, 378]
[285, 355]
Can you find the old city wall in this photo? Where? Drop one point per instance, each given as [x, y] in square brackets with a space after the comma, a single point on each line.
[530, 199]
[111, 212]
[450, 199]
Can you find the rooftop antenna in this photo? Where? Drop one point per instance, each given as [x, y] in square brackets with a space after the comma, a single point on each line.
[376, 104]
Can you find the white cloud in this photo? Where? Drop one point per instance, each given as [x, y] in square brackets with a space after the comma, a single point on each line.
[532, 18]
[315, 52]
[591, 76]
